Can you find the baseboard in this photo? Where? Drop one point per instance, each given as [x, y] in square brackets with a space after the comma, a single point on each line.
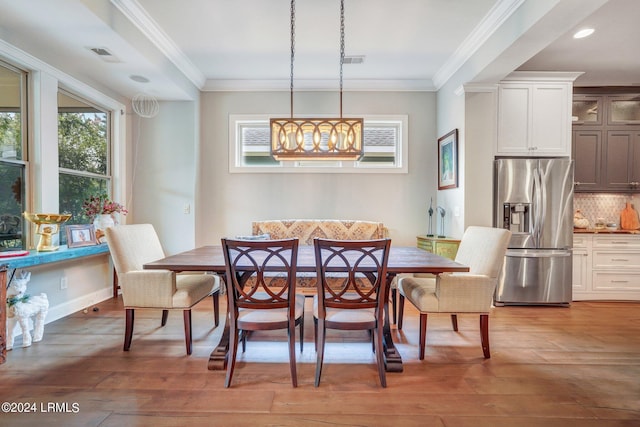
[78, 304]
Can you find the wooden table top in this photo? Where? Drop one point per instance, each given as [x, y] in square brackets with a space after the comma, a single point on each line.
[402, 259]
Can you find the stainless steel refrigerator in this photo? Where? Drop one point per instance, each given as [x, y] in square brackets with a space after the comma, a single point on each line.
[533, 197]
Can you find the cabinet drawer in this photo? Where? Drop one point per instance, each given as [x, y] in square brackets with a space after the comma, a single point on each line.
[426, 245]
[616, 242]
[611, 281]
[581, 240]
[617, 259]
[447, 250]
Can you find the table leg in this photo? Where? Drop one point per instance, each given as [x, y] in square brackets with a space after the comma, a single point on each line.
[392, 358]
[218, 357]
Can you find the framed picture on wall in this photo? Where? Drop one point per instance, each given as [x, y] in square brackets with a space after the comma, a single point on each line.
[448, 160]
[81, 235]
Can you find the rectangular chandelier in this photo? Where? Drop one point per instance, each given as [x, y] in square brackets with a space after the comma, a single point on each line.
[316, 139]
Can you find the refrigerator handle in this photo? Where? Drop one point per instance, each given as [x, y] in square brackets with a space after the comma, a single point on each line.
[536, 208]
[543, 206]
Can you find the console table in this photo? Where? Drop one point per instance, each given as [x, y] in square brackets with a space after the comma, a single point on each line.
[30, 260]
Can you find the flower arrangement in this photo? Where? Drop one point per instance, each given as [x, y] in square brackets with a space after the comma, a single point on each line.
[102, 205]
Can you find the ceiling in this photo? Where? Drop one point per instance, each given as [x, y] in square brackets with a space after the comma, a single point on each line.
[182, 46]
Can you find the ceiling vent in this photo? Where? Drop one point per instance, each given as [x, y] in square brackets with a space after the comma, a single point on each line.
[104, 54]
[354, 59]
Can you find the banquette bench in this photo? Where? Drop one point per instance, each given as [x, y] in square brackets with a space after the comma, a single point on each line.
[308, 229]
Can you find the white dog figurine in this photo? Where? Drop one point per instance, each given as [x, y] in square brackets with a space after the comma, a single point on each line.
[20, 307]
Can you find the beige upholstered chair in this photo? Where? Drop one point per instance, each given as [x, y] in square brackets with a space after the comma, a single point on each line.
[358, 304]
[483, 250]
[254, 305]
[132, 246]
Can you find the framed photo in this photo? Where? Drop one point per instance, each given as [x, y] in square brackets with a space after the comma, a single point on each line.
[448, 160]
[81, 235]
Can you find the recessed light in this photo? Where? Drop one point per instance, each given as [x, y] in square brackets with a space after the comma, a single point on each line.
[139, 79]
[585, 32]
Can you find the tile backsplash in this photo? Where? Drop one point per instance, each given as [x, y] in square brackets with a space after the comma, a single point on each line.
[607, 206]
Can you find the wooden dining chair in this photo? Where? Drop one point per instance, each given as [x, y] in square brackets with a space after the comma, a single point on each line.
[352, 290]
[261, 285]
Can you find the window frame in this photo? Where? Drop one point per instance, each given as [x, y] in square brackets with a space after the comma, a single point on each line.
[107, 177]
[22, 162]
[401, 151]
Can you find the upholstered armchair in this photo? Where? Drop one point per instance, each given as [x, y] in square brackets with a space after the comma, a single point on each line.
[132, 246]
[483, 250]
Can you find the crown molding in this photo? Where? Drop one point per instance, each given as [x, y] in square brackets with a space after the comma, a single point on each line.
[220, 85]
[481, 33]
[132, 10]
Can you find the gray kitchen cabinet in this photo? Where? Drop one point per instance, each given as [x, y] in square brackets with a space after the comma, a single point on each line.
[622, 160]
[587, 155]
[586, 109]
[624, 109]
[606, 142]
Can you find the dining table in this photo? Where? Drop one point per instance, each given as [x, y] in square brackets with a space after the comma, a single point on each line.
[402, 259]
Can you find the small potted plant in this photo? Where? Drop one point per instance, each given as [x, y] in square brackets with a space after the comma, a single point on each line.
[100, 209]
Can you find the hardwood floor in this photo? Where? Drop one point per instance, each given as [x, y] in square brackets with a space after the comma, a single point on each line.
[550, 366]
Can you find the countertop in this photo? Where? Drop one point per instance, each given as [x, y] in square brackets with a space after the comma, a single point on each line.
[604, 231]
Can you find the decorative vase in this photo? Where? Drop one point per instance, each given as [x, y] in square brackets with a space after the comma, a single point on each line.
[101, 222]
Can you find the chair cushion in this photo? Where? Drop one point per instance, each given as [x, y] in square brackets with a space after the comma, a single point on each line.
[344, 315]
[191, 288]
[270, 316]
[421, 292]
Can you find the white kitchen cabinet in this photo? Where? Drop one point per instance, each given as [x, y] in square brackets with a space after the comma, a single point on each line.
[606, 267]
[534, 114]
[581, 264]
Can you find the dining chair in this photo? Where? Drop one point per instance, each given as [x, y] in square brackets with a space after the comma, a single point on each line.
[261, 285]
[352, 292]
[132, 246]
[482, 249]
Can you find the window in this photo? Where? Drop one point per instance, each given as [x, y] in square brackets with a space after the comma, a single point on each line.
[12, 157]
[385, 148]
[83, 154]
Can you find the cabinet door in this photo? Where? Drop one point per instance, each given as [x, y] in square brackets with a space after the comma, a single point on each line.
[635, 163]
[513, 118]
[581, 273]
[587, 153]
[624, 109]
[550, 120]
[619, 160]
[587, 110]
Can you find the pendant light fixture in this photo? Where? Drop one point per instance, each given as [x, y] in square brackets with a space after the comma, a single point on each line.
[316, 138]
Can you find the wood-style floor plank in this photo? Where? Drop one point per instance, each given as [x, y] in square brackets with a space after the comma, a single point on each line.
[550, 366]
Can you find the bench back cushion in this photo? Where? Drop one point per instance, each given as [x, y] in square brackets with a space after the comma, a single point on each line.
[308, 229]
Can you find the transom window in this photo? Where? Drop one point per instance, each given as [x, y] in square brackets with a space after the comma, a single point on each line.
[385, 148]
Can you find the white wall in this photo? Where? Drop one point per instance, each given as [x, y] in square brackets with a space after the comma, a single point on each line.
[480, 126]
[451, 115]
[228, 203]
[88, 282]
[163, 173]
